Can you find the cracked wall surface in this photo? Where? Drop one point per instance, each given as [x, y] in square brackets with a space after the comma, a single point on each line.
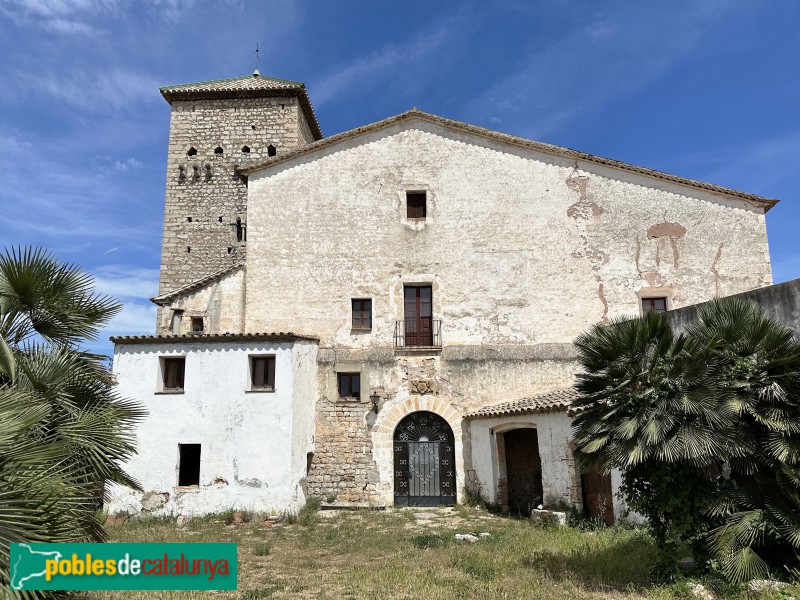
[253, 443]
[523, 250]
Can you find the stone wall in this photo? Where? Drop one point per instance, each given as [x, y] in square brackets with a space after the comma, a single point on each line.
[342, 466]
[204, 195]
[523, 250]
[781, 301]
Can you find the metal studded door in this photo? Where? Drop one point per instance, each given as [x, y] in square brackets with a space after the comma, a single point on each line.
[424, 461]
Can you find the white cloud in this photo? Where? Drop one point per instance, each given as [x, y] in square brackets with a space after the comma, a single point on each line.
[126, 281]
[136, 318]
[390, 60]
[106, 91]
[127, 165]
[606, 56]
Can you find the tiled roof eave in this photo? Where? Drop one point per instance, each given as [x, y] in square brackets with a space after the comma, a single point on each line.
[167, 297]
[211, 338]
[520, 411]
[173, 94]
[753, 199]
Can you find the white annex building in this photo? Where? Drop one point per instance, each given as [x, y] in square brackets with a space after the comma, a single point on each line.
[433, 276]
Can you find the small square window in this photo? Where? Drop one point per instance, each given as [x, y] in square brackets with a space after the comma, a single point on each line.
[350, 385]
[189, 464]
[262, 373]
[416, 205]
[362, 313]
[658, 304]
[197, 324]
[172, 370]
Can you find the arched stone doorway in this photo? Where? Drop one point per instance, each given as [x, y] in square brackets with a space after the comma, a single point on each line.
[424, 461]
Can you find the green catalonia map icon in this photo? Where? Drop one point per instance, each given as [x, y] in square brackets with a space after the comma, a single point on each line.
[28, 565]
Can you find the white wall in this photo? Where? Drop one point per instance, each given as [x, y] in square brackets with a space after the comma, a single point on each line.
[251, 442]
[554, 432]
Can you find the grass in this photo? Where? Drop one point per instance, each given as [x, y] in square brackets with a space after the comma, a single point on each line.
[393, 554]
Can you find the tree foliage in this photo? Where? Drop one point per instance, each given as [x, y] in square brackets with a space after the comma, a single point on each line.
[705, 426]
[64, 432]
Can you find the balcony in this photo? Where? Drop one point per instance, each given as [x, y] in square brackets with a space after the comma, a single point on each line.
[418, 333]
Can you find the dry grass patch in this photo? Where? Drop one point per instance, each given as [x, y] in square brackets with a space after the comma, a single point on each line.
[394, 554]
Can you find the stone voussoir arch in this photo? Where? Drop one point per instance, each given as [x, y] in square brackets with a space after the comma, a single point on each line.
[383, 438]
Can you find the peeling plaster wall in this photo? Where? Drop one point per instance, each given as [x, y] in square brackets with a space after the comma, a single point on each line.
[524, 252]
[252, 443]
[220, 303]
[519, 246]
[559, 479]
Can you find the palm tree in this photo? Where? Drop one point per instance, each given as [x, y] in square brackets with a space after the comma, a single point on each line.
[64, 432]
[705, 426]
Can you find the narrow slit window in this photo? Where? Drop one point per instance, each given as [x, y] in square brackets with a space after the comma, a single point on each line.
[173, 370]
[655, 304]
[241, 231]
[175, 325]
[262, 373]
[416, 205]
[197, 324]
[349, 385]
[362, 313]
[181, 174]
[189, 464]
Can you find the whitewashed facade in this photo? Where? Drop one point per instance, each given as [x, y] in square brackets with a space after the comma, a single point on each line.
[254, 444]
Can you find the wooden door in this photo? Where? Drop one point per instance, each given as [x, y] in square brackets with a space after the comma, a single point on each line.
[597, 499]
[418, 307]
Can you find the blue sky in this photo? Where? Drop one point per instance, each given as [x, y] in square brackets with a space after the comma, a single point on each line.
[705, 89]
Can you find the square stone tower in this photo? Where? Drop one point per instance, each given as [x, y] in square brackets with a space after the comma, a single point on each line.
[215, 128]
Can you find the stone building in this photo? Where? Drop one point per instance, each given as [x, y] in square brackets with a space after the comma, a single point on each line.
[445, 270]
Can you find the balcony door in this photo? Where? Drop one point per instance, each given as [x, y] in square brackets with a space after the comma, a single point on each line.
[418, 302]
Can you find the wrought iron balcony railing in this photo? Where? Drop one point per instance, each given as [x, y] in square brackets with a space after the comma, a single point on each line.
[419, 332]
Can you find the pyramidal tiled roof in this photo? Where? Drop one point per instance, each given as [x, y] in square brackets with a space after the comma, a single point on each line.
[559, 400]
[248, 83]
[248, 86]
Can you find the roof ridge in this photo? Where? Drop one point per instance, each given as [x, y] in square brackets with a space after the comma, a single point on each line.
[563, 151]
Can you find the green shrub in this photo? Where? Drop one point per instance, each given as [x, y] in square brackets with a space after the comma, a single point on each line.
[262, 548]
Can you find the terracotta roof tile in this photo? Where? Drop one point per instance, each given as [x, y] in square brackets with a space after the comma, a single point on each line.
[211, 337]
[557, 401]
[759, 201]
[234, 84]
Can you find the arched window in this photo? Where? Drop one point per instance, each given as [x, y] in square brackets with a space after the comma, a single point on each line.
[192, 151]
[246, 149]
[218, 150]
[271, 150]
